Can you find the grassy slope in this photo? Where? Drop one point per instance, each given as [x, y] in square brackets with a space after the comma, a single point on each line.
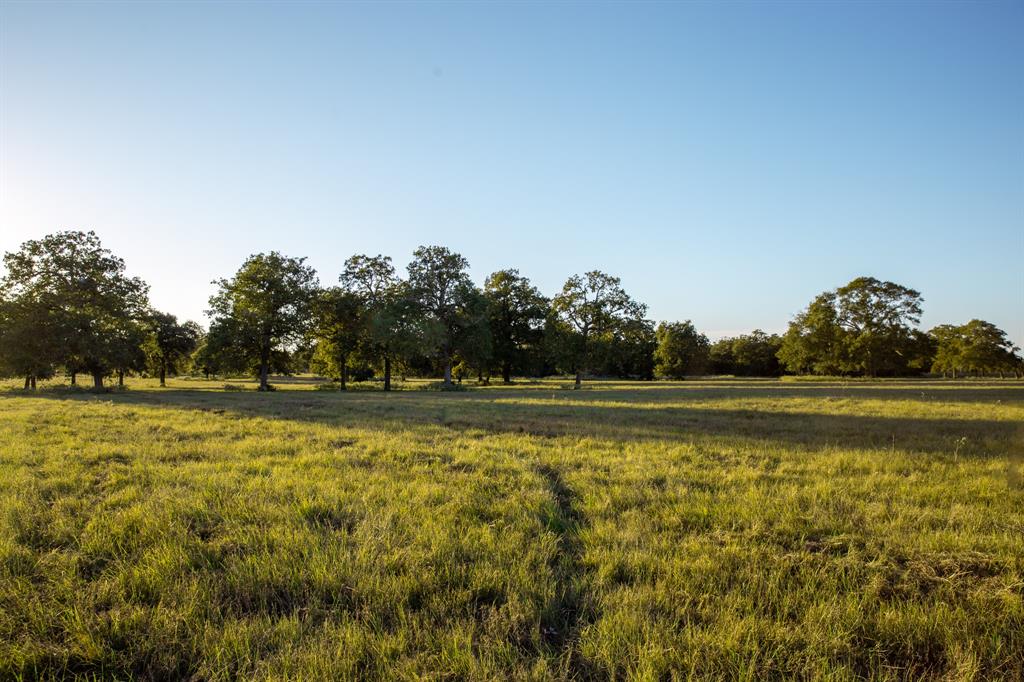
[745, 529]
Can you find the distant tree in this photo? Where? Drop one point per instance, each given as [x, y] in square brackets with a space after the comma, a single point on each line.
[865, 327]
[28, 343]
[593, 305]
[815, 342]
[950, 347]
[917, 353]
[403, 332]
[169, 343]
[372, 278]
[516, 318]
[988, 350]
[682, 351]
[264, 308]
[128, 349]
[977, 347]
[558, 345]
[473, 341]
[216, 353]
[626, 352]
[720, 357]
[755, 354]
[339, 326]
[300, 359]
[878, 318]
[88, 299]
[202, 360]
[389, 316]
[439, 284]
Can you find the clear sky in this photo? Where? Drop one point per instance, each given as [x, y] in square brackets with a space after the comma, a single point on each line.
[728, 161]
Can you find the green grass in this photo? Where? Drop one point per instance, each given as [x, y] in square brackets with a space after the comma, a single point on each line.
[716, 529]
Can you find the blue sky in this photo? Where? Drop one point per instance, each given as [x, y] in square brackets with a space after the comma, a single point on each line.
[728, 161]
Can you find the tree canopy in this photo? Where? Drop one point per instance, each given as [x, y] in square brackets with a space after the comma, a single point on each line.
[516, 311]
[682, 351]
[977, 347]
[70, 287]
[594, 307]
[866, 327]
[67, 304]
[266, 307]
[169, 343]
[441, 287]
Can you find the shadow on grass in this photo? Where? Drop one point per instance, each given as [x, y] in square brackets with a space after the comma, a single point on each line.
[476, 413]
[919, 391]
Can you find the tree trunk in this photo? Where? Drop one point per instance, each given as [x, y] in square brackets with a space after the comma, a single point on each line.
[28, 381]
[33, 382]
[506, 372]
[264, 368]
[448, 371]
[480, 375]
[387, 372]
[120, 377]
[344, 373]
[97, 381]
[163, 374]
[74, 378]
[579, 380]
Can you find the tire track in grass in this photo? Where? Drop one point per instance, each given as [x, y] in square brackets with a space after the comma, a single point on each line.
[572, 609]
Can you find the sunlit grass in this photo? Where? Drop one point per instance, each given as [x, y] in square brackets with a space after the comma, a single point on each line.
[736, 529]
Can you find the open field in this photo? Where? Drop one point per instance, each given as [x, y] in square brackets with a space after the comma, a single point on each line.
[711, 529]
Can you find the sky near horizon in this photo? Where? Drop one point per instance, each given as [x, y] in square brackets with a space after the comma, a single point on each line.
[728, 161]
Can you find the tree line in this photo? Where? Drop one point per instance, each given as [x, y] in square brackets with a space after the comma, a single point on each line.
[67, 305]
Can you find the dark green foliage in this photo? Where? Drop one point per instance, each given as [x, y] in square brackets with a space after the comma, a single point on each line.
[516, 319]
[977, 347]
[473, 341]
[682, 350]
[264, 308]
[65, 302]
[594, 310]
[169, 343]
[448, 301]
[754, 354]
[815, 343]
[626, 351]
[216, 353]
[877, 319]
[76, 293]
[390, 330]
[864, 328]
[747, 355]
[340, 326]
[129, 352]
[28, 342]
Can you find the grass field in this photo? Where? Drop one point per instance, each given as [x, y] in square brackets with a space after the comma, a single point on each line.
[705, 529]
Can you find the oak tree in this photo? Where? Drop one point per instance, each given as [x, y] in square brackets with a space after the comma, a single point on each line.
[264, 308]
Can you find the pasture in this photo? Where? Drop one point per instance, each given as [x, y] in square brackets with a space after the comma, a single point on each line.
[731, 529]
